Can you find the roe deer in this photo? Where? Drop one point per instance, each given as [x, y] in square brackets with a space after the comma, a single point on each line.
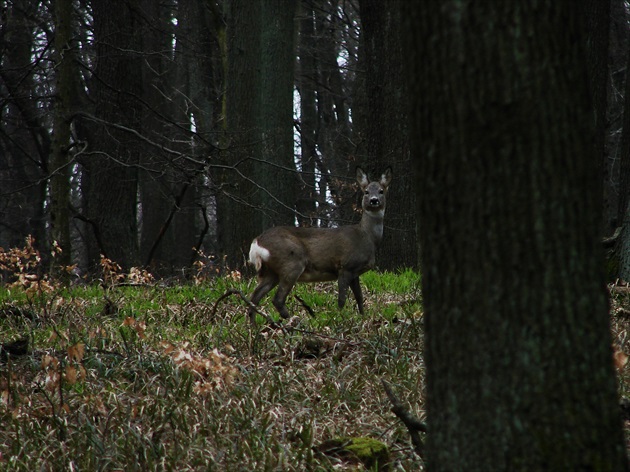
[285, 255]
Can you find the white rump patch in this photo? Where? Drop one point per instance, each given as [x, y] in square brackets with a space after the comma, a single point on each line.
[258, 254]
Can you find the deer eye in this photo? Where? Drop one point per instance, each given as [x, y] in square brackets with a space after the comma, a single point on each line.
[381, 191]
[367, 192]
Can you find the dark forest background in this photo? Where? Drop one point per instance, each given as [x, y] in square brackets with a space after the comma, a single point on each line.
[149, 132]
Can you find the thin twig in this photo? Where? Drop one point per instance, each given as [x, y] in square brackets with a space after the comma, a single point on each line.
[230, 292]
[306, 307]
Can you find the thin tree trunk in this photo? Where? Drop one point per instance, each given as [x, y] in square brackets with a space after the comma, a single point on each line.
[67, 87]
[335, 131]
[306, 205]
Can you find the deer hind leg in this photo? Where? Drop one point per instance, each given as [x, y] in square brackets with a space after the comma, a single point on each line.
[267, 280]
[279, 300]
[290, 276]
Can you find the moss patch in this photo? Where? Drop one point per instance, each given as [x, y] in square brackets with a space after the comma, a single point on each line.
[372, 453]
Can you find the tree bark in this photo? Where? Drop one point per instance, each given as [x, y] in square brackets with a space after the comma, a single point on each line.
[306, 83]
[239, 196]
[24, 138]
[384, 129]
[111, 182]
[518, 345]
[335, 142]
[66, 88]
[275, 113]
[615, 175]
[622, 250]
[201, 73]
[597, 17]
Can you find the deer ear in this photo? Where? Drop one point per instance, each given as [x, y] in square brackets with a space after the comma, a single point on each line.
[362, 178]
[386, 178]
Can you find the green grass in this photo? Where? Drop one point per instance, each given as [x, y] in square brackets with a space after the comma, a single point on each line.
[151, 377]
[402, 282]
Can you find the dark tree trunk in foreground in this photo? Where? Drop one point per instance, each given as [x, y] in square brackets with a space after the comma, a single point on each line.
[597, 15]
[518, 346]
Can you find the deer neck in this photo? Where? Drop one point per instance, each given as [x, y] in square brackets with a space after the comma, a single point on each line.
[372, 224]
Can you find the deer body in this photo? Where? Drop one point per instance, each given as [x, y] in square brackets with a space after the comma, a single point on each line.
[285, 255]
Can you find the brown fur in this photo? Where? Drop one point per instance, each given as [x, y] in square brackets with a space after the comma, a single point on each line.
[285, 255]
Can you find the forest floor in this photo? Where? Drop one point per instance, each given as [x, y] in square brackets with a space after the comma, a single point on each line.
[620, 328]
[133, 374]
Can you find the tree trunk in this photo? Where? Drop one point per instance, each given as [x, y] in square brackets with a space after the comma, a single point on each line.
[239, 197]
[616, 151]
[518, 345]
[111, 177]
[24, 137]
[597, 15]
[275, 113]
[335, 130]
[306, 83]
[167, 227]
[385, 127]
[622, 250]
[66, 88]
[258, 179]
[201, 75]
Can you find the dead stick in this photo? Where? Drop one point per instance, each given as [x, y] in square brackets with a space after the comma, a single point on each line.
[306, 307]
[230, 292]
[413, 424]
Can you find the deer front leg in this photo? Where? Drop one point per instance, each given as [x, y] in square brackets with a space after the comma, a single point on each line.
[344, 281]
[348, 279]
[355, 285]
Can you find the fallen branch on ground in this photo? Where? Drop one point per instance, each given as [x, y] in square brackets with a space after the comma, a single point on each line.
[413, 424]
[306, 307]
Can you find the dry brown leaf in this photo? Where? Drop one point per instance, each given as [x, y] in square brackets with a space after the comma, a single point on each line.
[76, 352]
[71, 375]
[82, 373]
[52, 380]
[140, 326]
[211, 372]
[49, 360]
[168, 347]
[620, 358]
